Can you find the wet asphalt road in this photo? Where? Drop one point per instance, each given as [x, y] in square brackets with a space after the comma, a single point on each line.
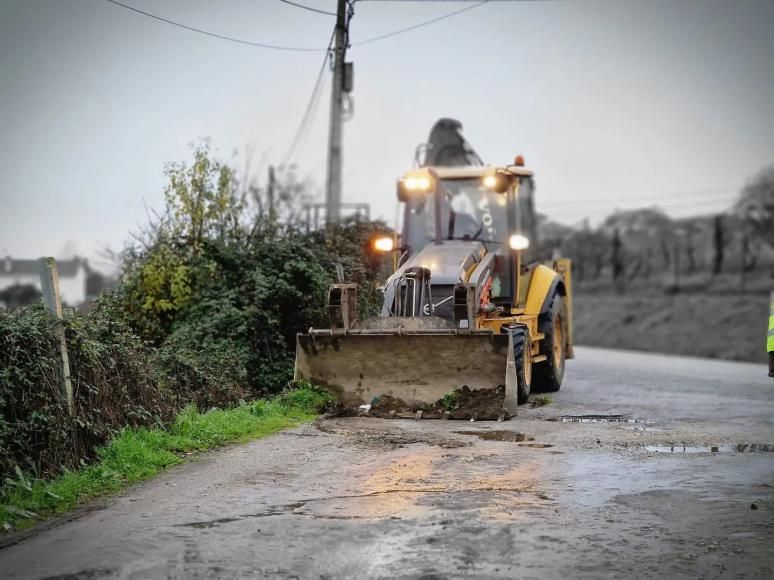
[370, 498]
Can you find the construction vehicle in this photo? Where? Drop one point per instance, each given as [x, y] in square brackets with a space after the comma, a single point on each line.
[468, 308]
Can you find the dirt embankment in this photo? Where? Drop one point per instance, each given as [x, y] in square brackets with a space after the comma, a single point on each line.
[731, 326]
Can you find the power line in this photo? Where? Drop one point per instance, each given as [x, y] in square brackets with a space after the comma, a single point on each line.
[302, 48]
[420, 24]
[448, 1]
[311, 106]
[215, 35]
[308, 8]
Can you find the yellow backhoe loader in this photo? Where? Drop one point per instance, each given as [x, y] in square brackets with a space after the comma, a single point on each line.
[467, 312]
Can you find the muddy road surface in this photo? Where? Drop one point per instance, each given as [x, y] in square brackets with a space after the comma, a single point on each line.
[644, 466]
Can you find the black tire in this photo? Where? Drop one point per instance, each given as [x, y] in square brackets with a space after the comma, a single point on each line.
[522, 342]
[547, 375]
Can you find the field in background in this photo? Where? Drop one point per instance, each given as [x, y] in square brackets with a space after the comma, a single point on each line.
[729, 326]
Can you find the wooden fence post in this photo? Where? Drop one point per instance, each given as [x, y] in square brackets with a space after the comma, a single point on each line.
[49, 284]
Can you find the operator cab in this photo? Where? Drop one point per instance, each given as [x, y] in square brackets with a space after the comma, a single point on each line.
[485, 205]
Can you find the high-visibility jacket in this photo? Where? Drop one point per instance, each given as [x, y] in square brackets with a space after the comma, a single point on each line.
[770, 338]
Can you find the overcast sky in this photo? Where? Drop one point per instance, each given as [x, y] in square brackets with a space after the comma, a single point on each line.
[614, 104]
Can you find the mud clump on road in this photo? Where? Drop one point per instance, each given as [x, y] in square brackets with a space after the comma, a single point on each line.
[388, 406]
[462, 403]
[481, 404]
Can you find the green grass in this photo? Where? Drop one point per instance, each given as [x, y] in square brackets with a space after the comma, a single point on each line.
[137, 454]
[450, 401]
[541, 401]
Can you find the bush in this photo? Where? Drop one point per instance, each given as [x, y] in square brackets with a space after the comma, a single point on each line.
[31, 408]
[206, 313]
[118, 381]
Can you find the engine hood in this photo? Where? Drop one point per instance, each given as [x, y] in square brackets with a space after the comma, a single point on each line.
[448, 261]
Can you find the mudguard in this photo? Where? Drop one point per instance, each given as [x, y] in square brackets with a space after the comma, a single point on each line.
[544, 283]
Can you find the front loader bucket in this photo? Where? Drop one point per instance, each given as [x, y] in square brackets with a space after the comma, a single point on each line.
[417, 368]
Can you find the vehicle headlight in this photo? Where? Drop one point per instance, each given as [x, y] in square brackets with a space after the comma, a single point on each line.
[384, 244]
[518, 242]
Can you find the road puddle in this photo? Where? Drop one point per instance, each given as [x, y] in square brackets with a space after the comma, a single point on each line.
[691, 449]
[523, 439]
[511, 436]
[209, 523]
[88, 574]
[598, 419]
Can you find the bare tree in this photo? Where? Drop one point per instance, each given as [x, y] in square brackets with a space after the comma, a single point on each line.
[617, 265]
[756, 205]
[718, 246]
[690, 250]
[284, 197]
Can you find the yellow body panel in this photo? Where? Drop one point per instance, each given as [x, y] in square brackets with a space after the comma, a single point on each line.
[542, 279]
[564, 267]
[541, 282]
[770, 335]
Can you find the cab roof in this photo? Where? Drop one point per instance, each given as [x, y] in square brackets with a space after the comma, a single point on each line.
[470, 171]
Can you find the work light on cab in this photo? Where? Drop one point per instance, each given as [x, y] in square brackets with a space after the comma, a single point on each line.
[415, 184]
[497, 182]
[384, 244]
[518, 242]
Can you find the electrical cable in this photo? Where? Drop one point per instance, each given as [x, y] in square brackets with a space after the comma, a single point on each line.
[308, 8]
[446, 1]
[311, 106]
[215, 35]
[420, 24]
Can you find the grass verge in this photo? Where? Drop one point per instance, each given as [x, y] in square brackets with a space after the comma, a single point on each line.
[137, 454]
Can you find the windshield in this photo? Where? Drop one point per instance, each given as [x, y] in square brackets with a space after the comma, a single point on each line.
[468, 211]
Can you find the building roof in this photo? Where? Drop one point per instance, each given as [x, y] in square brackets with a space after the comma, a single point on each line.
[66, 268]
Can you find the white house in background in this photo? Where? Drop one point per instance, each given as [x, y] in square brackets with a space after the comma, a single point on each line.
[72, 277]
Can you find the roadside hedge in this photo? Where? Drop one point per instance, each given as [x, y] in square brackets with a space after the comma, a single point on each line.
[118, 381]
[209, 301]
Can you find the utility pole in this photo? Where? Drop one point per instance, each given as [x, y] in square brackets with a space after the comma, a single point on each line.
[333, 180]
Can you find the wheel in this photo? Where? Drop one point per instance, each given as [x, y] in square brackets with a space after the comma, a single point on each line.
[522, 355]
[548, 374]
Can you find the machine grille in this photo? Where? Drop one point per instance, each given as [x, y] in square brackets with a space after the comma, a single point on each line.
[444, 292]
